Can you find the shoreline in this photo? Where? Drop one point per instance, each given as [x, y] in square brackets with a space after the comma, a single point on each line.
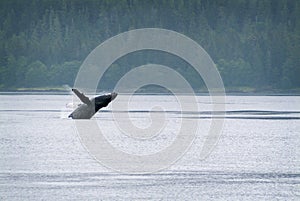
[229, 92]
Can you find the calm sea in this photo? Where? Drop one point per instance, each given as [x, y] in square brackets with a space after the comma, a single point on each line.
[257, 156]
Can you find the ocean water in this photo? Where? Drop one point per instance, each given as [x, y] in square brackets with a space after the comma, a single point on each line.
[257, 156]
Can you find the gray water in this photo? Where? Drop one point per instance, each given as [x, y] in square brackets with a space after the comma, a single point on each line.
[257, 156]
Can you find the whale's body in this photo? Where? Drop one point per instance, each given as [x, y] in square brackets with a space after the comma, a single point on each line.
[90, 106]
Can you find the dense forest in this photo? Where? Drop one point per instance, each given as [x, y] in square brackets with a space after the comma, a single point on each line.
[254, 43]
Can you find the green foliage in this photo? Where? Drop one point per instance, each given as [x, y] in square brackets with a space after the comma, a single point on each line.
[255, 43]
[36, 75]
[64, 74]
[236, 72]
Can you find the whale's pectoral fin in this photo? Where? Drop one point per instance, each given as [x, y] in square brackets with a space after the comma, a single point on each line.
[82, 97]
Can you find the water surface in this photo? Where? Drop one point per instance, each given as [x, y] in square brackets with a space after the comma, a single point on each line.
[257, 156]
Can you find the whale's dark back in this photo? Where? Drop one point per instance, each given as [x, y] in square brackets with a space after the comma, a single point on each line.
[102, 101]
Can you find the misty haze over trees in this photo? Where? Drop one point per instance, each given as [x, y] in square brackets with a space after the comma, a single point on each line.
[255, 43]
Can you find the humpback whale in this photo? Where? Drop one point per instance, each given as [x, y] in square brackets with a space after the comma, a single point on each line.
[90, 106]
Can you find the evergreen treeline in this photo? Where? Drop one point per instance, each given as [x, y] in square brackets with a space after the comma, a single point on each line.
[255, 43]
